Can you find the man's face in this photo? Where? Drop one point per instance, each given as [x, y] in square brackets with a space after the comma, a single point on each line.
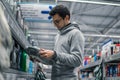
[58, 21]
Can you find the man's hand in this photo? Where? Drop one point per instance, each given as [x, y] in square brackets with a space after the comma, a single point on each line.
[46, 53]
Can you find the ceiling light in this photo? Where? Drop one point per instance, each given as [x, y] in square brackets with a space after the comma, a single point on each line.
[93, 2]
[97, 35]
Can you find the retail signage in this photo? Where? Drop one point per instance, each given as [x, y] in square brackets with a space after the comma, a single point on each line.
[36, 11]
[106, 48]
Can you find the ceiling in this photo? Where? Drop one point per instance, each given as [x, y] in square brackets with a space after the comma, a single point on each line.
[99, 22]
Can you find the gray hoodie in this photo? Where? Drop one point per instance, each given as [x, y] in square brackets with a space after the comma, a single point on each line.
[69, 48]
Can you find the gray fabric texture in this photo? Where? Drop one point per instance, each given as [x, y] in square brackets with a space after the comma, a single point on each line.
[69, 48]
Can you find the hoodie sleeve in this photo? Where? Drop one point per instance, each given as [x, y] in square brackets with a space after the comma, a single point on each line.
[74, 58]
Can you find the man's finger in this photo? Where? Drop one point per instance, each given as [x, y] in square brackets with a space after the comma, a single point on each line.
[42, 49]
[43, 55]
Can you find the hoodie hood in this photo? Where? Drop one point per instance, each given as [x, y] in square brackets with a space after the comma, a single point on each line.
[68, 28]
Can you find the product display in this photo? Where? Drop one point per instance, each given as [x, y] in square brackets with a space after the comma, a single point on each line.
[11, 50]
[110, 63]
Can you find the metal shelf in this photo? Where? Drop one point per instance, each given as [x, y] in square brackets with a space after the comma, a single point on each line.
[88, 79]
[16, 31]
[112, 58]
[92, 64]
[17, 73]
[112, 78]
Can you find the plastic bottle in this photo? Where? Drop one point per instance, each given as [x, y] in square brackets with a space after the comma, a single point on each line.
[24, 62]
[19, 59]
[30, 67]
[95, 57]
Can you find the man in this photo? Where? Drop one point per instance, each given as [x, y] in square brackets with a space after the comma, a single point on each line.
[69, 46]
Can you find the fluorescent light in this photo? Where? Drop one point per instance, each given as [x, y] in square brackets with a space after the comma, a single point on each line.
[97, 35]
[93, 2]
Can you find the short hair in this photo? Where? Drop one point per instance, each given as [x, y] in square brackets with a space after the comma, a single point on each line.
[61, 10]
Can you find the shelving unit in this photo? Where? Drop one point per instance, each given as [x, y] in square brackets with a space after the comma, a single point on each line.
[112, 59]
[89, 79]
[18, 36]
[15, 74]
[90, 68]
[91, 65]
[16, 31]
[112, 78]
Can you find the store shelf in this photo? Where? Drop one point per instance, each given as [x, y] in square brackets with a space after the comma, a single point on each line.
[88, 79]
[112, 78]
[112, 58]
[92, 64]
[16, 31]
[19, 73]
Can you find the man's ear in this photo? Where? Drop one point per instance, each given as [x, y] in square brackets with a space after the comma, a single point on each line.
[67, 17]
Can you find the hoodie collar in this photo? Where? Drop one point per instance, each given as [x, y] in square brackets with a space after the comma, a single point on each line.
[67, 28]
[64, 27]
